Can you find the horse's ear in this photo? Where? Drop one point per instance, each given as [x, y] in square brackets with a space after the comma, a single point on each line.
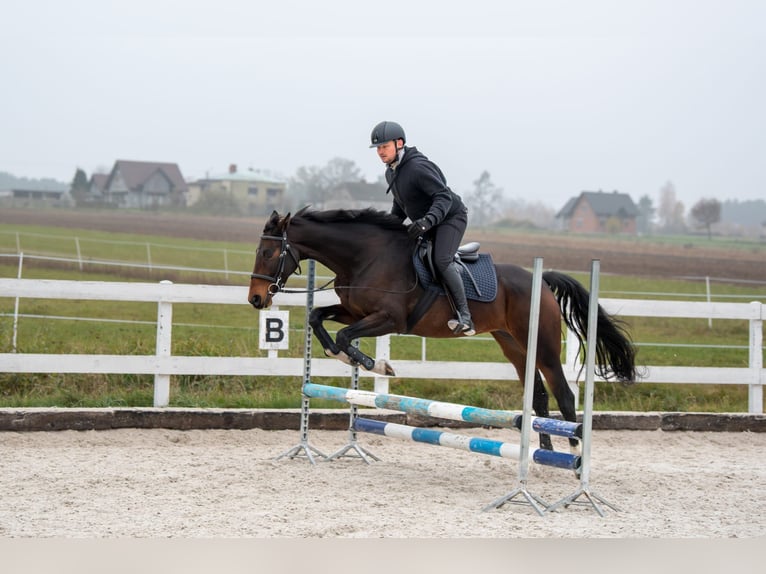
[285, 222]
[274, 218]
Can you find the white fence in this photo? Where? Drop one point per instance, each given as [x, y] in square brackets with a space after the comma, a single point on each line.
[163, 365]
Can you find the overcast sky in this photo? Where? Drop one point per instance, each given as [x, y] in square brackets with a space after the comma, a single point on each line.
[550, 97]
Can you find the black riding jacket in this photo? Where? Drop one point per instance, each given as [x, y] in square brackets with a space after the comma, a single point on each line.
[420, 189]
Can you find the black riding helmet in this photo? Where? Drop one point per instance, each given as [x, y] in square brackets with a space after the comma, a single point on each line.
[386, 132]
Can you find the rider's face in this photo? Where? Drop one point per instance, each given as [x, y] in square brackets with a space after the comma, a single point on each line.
[387, 151]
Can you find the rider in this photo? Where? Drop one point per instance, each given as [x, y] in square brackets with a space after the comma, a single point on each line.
[420, 192]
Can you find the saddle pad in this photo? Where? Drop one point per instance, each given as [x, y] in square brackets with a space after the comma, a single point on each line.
[483, 272]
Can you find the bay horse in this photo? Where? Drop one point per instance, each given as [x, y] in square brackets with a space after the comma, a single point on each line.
[370, 253]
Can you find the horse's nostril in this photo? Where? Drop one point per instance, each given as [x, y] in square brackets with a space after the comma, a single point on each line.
[255, 301]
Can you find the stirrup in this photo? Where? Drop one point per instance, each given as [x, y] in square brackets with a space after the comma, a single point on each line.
[460, 328]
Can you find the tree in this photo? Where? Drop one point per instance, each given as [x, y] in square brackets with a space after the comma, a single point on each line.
[670, 210]
[646, 215]
[484, 202]
[80, 186]
[314, 184]
[706, 212]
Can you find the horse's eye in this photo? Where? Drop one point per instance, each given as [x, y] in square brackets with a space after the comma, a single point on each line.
[268, 253]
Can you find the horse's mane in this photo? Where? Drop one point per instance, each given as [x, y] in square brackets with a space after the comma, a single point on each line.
[369, 216]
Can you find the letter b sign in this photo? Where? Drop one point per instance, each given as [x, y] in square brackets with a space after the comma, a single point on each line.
[273, 333]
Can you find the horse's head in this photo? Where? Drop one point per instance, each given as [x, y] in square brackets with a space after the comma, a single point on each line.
[275, 261]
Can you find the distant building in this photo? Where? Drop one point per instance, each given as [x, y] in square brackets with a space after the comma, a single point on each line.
[144, 185]
[95, 195]
[32, 197]
[253, 191]
[599, 212]
[358, 195]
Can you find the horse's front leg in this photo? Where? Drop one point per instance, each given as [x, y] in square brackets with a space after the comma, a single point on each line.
[316, 320]
[372, 325]
[343, 350]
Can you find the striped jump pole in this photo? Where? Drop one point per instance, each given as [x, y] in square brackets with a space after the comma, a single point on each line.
[471, 444]
[436, 409]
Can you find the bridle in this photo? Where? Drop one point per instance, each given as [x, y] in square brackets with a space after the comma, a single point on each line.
[277, 280]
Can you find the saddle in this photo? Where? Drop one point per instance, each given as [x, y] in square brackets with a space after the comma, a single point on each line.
[476, 269]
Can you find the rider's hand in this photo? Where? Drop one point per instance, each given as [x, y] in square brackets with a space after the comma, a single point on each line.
[418, 228]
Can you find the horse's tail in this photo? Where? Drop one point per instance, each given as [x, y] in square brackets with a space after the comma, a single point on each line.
[615, 353]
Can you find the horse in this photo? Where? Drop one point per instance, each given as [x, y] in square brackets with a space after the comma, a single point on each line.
[370, 254]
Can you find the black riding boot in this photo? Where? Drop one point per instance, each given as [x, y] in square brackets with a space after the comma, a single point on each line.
[454, 284]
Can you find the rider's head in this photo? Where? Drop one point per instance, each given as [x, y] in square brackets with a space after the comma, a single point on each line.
[389, 138]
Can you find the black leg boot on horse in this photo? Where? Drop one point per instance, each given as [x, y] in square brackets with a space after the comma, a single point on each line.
[453, 282]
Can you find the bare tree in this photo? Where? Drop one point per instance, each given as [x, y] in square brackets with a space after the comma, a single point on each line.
[484, 201]
[670, 211]
[706, 212]
[313, 184]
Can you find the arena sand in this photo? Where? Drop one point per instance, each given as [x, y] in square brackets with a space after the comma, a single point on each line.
[227, 484]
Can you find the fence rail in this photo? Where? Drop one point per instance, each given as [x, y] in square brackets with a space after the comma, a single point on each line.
[163, 365]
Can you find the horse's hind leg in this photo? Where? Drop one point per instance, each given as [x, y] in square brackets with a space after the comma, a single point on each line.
[559, 386]
[517, 356]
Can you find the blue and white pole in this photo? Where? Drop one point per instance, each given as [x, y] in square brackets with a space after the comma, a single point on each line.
[462, 442]
[450, 411]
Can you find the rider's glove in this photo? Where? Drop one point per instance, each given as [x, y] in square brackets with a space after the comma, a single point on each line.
[418, 228]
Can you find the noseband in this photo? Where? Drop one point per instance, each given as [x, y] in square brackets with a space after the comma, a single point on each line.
[277, 280]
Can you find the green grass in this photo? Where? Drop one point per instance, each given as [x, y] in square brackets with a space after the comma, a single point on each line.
[227, 330]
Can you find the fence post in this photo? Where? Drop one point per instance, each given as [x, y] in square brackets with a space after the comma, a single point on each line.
[164, 335]
[382, 352]
[755, 388]
[79, 253]
[16, 306]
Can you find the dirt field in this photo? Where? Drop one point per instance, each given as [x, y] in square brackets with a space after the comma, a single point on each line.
[566, 253]
[225, 483]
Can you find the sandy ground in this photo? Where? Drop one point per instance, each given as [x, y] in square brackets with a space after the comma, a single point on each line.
[220, 483]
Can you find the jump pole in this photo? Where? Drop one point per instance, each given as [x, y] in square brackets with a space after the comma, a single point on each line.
[587, 418]
[437, 409]
[303, 448]
[471, 444]
[537, 503]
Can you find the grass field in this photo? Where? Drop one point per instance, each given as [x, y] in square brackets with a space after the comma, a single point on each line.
[206, 330]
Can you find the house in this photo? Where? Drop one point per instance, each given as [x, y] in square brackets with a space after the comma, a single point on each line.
[97, 185]
[599, 212]
[358, 195]
[254, 192]
[94, 195]
[144, 185]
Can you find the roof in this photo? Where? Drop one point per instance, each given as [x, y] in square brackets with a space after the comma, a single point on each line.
[99, 180]
[603, 204]
[136, 173]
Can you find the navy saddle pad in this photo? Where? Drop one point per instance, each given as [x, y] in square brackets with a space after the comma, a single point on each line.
[483, 271]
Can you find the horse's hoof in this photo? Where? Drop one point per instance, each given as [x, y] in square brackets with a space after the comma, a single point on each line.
[383, 367]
